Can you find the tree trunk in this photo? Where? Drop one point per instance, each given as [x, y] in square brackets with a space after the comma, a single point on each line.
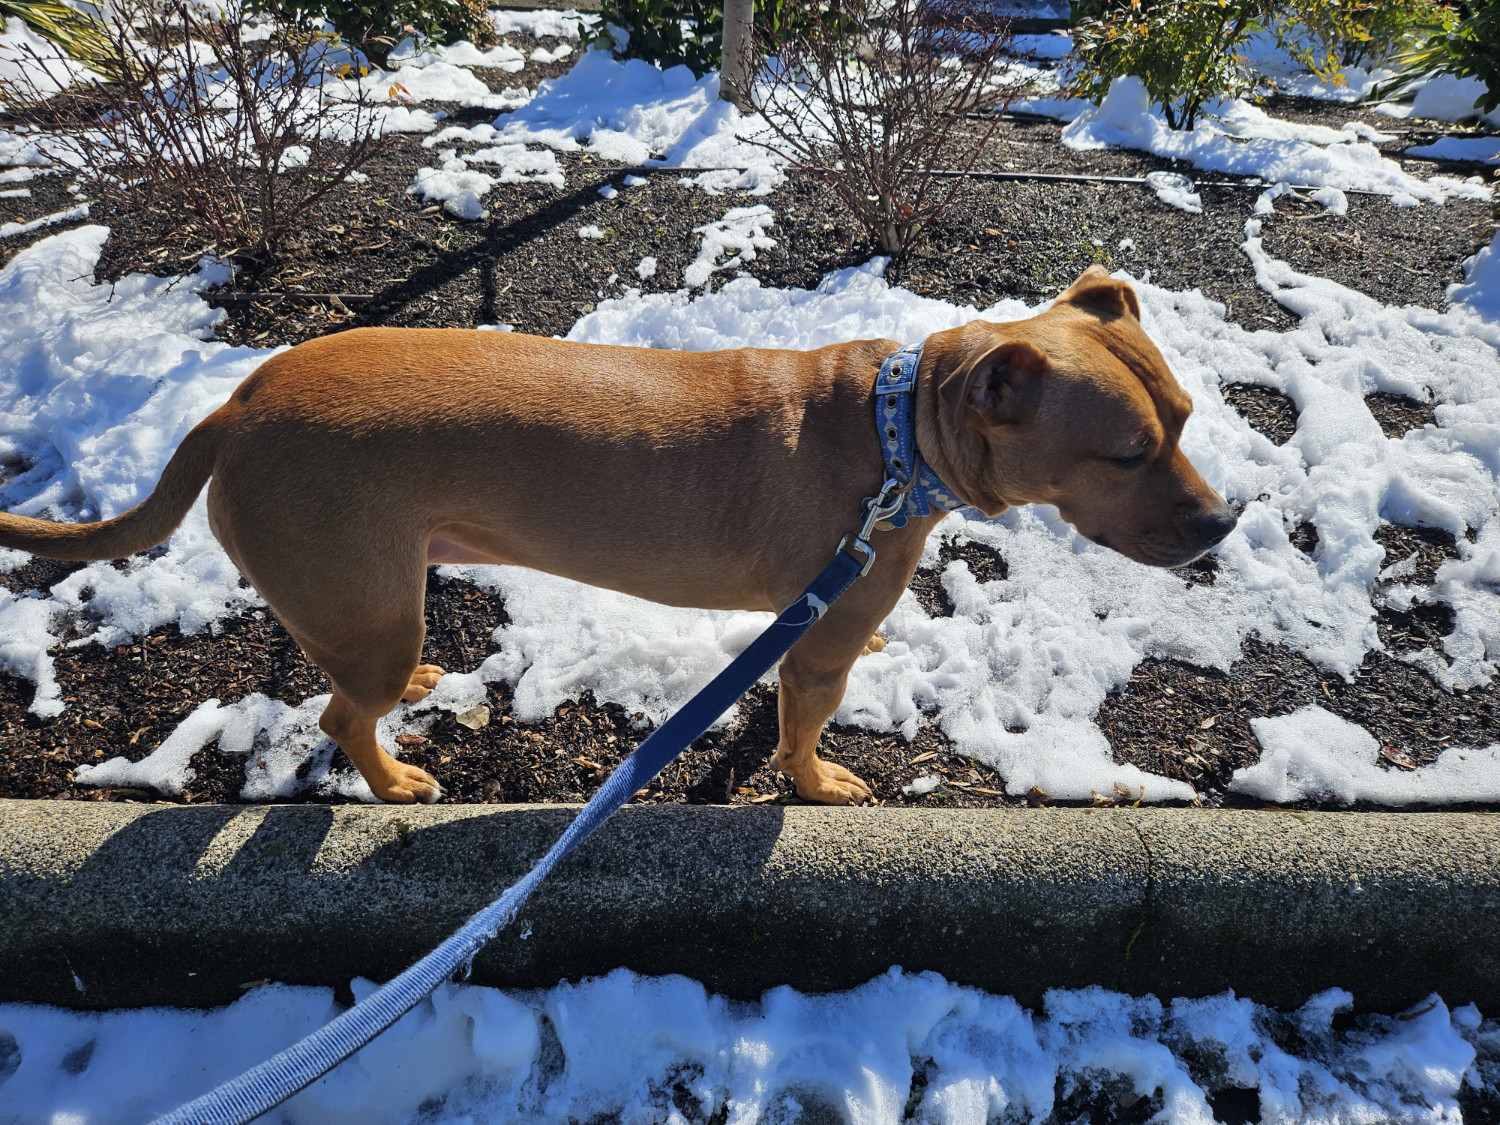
[734, 69]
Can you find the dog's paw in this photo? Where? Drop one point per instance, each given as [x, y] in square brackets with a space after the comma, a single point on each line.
[829, 783]
[423, 680]
[406, 784]
[876, 643]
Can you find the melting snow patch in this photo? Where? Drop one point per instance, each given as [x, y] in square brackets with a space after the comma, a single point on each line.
[1480, 291]
[1477, 149]
[634, 113]
[1247, 142]
[71, 215]
[739, 235]
[1313, 754]
[629, 1048]
[99, 386]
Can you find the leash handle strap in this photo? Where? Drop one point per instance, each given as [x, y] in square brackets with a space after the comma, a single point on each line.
[242, 1099]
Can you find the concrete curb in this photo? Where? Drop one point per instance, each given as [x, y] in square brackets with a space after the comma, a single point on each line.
[106, 905]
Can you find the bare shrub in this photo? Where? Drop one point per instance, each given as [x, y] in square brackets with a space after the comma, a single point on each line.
[879, 98]
[246, 135]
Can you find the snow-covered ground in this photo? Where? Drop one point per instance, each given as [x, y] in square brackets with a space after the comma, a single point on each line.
[643, 1051]
[99, 392]
[100, 383]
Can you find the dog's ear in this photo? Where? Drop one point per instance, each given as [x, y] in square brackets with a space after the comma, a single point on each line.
[1101, 294]
[1000, 386]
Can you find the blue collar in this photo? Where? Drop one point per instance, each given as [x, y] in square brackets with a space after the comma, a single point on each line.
[896, 420]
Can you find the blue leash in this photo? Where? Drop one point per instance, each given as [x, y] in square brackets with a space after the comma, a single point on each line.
[268, 1085]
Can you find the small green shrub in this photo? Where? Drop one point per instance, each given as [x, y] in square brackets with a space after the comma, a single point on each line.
[667, 32]
[376, 26]
[1466, 43]
[1367, 32]
[1187, 52]
[691, 32]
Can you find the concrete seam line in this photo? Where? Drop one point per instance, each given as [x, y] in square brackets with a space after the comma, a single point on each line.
[1147, 904]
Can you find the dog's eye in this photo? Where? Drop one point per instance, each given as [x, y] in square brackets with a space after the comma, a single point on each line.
[1131, 462]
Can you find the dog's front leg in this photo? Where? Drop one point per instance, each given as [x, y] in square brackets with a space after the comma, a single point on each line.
[814, 673]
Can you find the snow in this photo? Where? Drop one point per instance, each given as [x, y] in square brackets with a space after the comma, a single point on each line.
[634, 113]
[71, 215]
[1175, 191]
[24, 54]
[461, 189]
[739, 234]
[99, 386]
[662, 1049]
[1478, 149]
[1480, 291]
[1313, 754]
[1246, 142]
[1450, 98]
[543, 23]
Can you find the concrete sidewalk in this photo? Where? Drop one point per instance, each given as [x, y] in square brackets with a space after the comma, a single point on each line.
[106, 905]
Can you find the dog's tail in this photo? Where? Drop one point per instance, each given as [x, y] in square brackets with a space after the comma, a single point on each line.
[144, 526]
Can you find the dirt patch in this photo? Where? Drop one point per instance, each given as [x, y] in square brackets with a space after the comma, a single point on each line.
[1398, 414]
[1268, 411]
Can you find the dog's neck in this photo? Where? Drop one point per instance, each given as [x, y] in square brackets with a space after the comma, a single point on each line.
[896, 410]
[952, 460]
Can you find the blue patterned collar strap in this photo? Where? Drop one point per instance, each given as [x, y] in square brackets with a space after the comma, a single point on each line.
[896, 420]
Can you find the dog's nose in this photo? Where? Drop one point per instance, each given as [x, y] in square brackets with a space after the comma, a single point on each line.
[1212, 526]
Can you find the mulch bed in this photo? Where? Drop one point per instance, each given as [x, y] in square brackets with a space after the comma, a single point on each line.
[403, 262]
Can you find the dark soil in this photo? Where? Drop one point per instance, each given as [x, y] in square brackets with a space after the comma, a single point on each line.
[1268, 411]
[397, 261]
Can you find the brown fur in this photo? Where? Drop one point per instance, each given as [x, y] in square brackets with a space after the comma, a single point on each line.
[345, 467]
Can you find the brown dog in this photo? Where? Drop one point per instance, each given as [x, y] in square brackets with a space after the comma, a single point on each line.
[346, 466]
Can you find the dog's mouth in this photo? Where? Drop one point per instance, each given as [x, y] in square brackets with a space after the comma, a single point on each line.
[1151, 558]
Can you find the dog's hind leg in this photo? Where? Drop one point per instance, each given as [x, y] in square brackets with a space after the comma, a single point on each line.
[353, 728]
[363, 627]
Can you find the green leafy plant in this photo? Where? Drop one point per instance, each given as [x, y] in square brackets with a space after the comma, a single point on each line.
[376, 26]
[1466, 43]
[75, 33]
[1363, 32]
[691, 32]
[666, 32]
[1187, 53]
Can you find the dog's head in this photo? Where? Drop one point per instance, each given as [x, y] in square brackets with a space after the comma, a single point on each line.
[1076, 408]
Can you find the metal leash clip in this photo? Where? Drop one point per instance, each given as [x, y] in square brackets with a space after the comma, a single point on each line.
[877, 508]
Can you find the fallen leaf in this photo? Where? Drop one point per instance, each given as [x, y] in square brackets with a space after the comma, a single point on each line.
[1208, 722]
[1123, 790]
[474, 717]
[1397, 757]
[923, 757]
[587, 763]
[764, 797]
[746, 791]
[1100, 801]
[1036, 797]
[410, 739]
[94, 725]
